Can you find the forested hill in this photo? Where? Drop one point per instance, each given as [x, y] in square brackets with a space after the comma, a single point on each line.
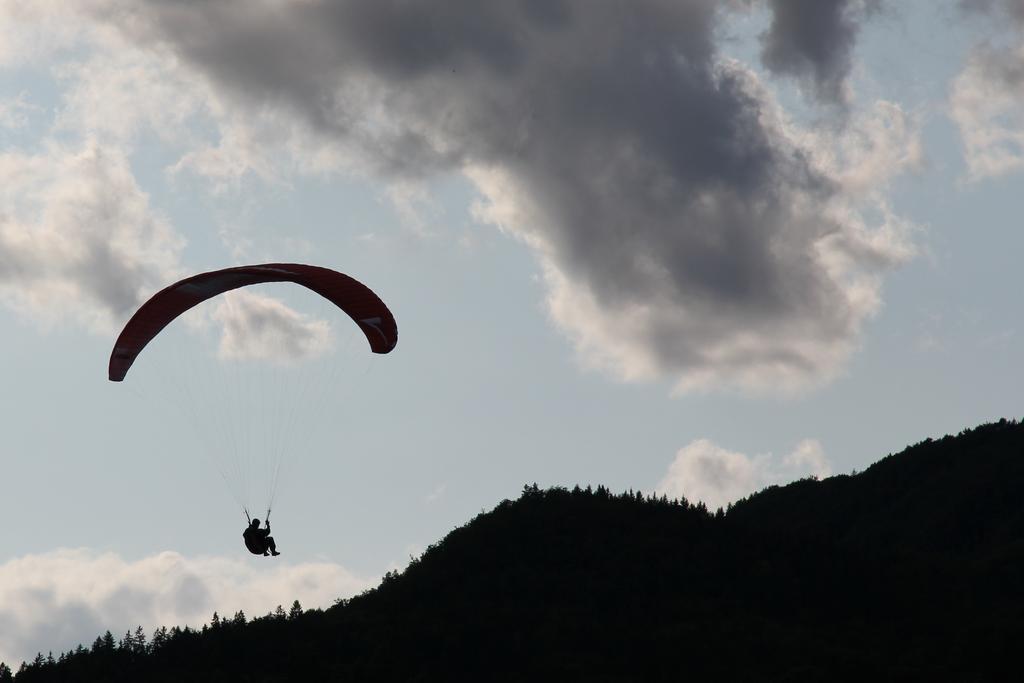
[910, 570]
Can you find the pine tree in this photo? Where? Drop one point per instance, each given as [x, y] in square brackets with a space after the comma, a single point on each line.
[139, 641]
[6, 676]
[159, 639]
[215, 621]
[296, 611]
[239, 618]
[279, 613]
[104, 644]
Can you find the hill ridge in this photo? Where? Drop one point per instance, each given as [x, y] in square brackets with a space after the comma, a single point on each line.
[912, 568]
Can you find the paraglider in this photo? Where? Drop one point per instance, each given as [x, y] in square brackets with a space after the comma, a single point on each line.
[259, 541]
[348, 294]
[362, 305]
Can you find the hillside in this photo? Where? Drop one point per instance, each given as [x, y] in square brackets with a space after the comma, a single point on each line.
[910, 570]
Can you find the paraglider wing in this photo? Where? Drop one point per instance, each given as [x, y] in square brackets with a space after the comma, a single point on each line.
[348, 294]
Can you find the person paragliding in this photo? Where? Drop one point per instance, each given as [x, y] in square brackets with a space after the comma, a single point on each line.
[354, 298]
[259, 541]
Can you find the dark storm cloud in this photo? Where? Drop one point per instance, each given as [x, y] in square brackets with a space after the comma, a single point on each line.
[814, 40]
[647, 172]
[463, 69]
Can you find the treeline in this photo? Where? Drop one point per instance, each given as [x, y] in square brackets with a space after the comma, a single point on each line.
[910, 570]
[344, 639]
[133, 654]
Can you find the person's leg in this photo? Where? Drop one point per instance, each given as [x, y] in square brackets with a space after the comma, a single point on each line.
[272, 546]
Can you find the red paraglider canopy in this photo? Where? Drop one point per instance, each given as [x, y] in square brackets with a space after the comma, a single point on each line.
[348, 294]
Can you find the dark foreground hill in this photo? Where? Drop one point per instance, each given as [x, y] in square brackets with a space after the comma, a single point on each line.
[911, 570]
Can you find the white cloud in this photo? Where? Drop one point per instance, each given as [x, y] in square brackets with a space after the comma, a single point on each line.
[987, 97]
[33, 29]
[15, 111]
[238, 153]
[879, 144]
[436, 494]
[416, 207]
[118, 91]
[56, 600]
[808, 458]
[704, 471]
[987, 104]
[78, 239]
[113, 90]
[259, 327]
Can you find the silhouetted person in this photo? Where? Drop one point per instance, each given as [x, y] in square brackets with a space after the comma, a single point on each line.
[259, 541]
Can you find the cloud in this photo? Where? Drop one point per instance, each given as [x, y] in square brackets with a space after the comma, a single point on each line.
[684, 229]
[987, 97]
[113, 91]
[1012, 9]
[78, 239]
[258, 327]
[703, 471]
[808, 457]
[878, 145]
[56, 600]
[987, 104]
[813, 40]
[436, 494]
[35, 29]
[15, 111]
[116, 91]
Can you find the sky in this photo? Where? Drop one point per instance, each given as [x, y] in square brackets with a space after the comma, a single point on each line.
[694, 248]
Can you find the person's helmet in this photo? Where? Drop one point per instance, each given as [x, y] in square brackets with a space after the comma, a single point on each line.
[255, 522]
